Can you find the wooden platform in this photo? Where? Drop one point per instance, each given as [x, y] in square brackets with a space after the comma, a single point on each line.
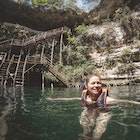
[13, 67]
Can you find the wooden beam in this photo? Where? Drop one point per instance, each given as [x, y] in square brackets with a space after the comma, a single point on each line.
[43, 79]
[42, 54]
[61, 44]
[52, 51]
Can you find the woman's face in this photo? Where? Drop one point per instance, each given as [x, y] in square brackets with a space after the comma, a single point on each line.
[94, 85]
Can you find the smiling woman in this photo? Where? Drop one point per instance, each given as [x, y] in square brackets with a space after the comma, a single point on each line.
[94, 95]
[93, 92]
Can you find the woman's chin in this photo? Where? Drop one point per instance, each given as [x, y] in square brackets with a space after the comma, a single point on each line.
[95, 92]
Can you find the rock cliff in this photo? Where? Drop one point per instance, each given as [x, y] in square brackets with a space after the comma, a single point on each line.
[44, 18]
[112, 30]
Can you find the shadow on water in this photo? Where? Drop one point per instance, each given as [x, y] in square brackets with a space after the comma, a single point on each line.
[25, 114]
[7, 105]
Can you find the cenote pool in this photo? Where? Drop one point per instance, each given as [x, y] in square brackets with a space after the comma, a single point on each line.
[26, 114]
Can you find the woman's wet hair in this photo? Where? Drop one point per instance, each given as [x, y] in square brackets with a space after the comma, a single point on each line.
[90, 76]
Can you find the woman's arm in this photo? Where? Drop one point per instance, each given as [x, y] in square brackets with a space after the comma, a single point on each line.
[63, 99]
[111, 100]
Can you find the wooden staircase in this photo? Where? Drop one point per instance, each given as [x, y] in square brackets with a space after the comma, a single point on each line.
[2, 58]
[3, 67]
[15, 67]
[36, 38]
[17, 80]
[34, 61]
[4, 71]
[52, 68]
[19, 73]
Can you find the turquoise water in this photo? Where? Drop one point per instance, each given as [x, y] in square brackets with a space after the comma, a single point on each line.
[26, 114]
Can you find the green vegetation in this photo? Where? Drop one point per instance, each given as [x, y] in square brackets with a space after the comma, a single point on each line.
[9, 32]
[76, 60]
[127, 66]
[109, 63]
[56, 3]
[126, 56]
[75, 57]
[51, 3]
[80, 29]
[128, 69]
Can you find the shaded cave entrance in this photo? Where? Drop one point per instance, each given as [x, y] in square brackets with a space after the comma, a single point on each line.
[34, 79]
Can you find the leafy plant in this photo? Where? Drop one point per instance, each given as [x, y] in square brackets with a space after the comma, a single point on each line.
[70, 39]
[54, 3]
[126, 55]
[109, 63]
[80, 29]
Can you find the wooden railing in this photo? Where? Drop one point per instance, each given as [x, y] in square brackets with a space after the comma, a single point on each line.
[24, 68]
[17, 66]
[7, 71]
[35, 38]
[2, 58]
[32, 59]
[52, 68]
[48, 66]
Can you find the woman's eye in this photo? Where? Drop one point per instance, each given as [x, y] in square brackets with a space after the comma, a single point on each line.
[98, 83]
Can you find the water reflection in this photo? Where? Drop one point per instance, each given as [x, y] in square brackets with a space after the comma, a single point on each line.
[9, 105]
[23, 103]
[126, 92]
[26, 114]
[3, 121]
[94, 122]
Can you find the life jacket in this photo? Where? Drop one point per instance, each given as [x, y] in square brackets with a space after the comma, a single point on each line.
[100, 102]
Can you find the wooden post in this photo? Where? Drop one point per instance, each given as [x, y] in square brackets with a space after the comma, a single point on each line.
[9, 53]
[43, 81]
[52, 86]
[52, 51]
[1, 80]
[61, 43]
[42, 53]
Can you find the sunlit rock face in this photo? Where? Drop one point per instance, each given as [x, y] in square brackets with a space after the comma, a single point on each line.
[107, 8]
[108, 41]
[45, 18]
